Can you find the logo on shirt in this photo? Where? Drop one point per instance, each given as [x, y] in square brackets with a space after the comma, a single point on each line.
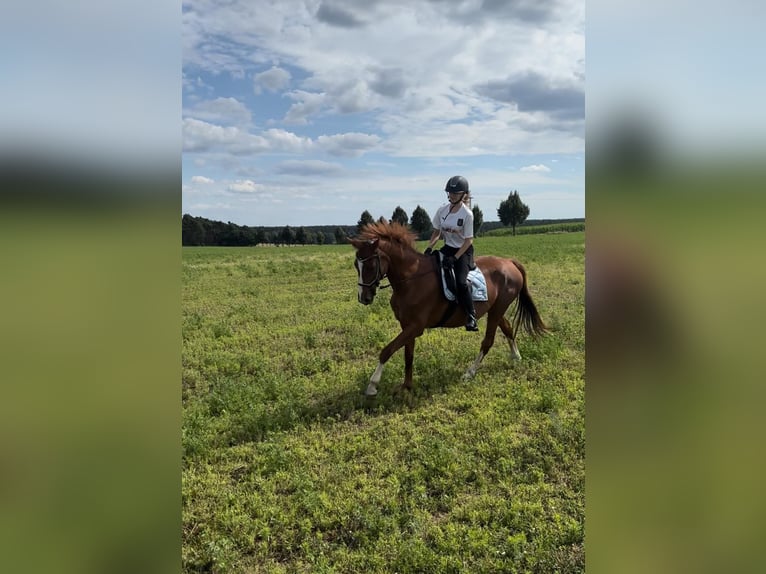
[460, 223]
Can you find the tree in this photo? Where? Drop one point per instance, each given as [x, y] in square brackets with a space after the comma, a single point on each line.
[340, 235]
[421, 223]
[366, 219]
[288, 235]
[261, 236]
[512, 211]
[400, 216]
[478, 219]
[192, 231]
[301, 237]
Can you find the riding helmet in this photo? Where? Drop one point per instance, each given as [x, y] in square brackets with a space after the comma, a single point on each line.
[457, 183]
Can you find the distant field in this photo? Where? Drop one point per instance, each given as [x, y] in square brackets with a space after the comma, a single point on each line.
[287, 467]
[533, 229]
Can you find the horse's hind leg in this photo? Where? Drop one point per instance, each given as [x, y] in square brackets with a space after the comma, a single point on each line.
[505, 327]
[486, 345]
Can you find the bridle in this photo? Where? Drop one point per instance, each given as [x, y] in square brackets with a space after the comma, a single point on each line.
[378, 275]
[375, 283]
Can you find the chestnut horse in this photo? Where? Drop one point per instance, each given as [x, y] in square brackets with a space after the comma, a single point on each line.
[388, 251]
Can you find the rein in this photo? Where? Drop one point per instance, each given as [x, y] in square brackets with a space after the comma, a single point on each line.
[426, 272]
[378, 276]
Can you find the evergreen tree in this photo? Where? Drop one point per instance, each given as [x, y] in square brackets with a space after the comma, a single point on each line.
[301, 237]
[400, 216]
[340, 235]
[366, 219]
[288, 235]
[478, 219]
[421, 223]
[513, 211]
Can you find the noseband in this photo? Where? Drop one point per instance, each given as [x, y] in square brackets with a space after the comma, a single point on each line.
[378, 275]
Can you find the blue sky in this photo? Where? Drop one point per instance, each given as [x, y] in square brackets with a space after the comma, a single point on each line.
[308, 112]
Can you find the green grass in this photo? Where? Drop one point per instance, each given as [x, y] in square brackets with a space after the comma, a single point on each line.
[287, 466]
[536, 229]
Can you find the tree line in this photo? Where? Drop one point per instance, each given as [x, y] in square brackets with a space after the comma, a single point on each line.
[201, 231]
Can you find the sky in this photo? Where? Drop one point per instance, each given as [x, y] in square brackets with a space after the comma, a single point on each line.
[309, 112]
[689, 71]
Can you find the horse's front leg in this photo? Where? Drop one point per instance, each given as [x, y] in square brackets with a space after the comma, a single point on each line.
[409, 355]
[406, 337]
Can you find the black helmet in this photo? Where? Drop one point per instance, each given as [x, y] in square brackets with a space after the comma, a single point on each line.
[457, 183]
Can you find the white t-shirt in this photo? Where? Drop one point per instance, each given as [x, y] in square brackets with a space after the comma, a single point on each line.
[455, 227]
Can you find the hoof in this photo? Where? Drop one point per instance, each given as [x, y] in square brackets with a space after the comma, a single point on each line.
[401, 388]
[371, 391]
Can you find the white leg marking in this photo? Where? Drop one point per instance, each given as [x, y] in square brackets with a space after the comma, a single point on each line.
[471, 372]
[372, 389]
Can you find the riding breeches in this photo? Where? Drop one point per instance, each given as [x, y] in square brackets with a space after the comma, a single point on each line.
[462, 265]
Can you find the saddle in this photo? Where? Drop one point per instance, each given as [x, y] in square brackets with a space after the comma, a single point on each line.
[476, 282]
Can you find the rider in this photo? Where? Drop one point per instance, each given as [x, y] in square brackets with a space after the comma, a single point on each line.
[454, 222]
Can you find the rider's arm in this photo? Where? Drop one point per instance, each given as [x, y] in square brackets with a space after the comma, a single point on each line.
[467, 242]
[434, 238]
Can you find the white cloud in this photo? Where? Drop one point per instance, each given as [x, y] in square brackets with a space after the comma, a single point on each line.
[349, 144]
[352, 67]
[307, 104]
[200, 136]
[245, 186]
[201, 179]
[284, 141]
[536, 168]
[271, 80]
[227, 111]
[431, 88]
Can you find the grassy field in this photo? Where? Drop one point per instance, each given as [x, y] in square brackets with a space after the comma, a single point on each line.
[536, 229]
[287, 467]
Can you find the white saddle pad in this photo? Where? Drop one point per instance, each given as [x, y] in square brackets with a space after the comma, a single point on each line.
[476, 282]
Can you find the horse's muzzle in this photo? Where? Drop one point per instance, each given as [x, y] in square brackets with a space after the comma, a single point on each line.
[367, 294]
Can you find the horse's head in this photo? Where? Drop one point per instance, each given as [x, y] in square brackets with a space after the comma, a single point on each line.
[371, 265]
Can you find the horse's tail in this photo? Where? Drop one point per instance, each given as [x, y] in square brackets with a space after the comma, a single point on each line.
[526, 310]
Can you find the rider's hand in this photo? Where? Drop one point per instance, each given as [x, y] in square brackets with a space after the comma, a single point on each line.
[428, 251]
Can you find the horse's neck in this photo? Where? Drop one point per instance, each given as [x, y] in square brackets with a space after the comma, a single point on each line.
[402, 264]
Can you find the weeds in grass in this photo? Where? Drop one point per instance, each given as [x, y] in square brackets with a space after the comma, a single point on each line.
[287, 467]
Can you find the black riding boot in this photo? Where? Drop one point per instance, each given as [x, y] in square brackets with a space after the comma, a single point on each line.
[466, 302]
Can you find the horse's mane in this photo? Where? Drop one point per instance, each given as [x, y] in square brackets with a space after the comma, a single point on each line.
[395, 233]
